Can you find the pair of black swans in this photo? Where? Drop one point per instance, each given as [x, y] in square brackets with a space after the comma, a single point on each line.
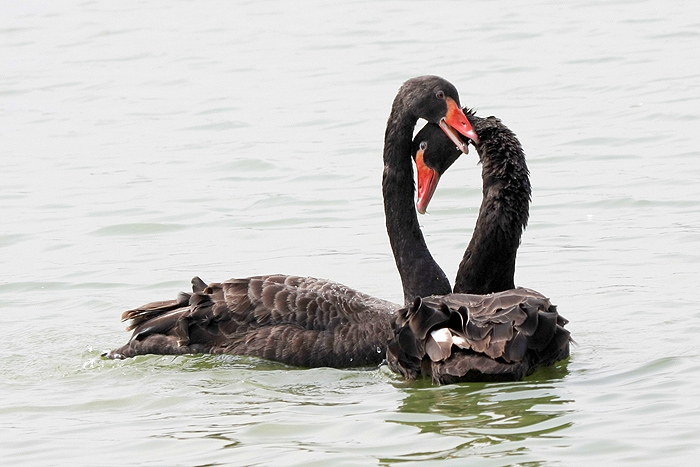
[484, 329]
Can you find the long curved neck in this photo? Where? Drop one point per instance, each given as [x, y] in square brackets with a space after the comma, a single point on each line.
[420, 274]
[488, 264]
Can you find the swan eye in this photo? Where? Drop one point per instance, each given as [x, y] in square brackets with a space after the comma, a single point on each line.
[440, 95]
[423, 146]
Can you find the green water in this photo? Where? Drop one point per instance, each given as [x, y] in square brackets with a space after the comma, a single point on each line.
[145, 143]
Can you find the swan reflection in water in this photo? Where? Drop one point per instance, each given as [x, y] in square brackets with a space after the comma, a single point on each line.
[498, 418]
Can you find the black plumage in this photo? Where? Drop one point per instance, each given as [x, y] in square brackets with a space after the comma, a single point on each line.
[300, 321]
[466, 337]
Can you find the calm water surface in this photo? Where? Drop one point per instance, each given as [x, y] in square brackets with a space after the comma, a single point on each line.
[146, 142]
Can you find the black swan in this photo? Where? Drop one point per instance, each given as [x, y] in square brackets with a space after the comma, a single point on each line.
[469, 336]
[305, 321]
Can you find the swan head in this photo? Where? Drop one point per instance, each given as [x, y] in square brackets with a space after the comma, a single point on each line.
[436, 100]
[433, 154]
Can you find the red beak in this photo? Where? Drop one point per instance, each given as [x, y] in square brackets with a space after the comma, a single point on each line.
[456, 122]
[427, 183]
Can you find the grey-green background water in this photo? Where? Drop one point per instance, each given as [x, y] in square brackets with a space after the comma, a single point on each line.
[144, 142]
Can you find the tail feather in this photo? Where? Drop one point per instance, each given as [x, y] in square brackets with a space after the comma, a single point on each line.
[151, 310]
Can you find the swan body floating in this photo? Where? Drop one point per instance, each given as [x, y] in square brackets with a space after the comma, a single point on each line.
[487, 330]
[307, 321]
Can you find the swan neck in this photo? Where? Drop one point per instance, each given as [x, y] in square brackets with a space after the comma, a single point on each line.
[488, 264]
[420, 274]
